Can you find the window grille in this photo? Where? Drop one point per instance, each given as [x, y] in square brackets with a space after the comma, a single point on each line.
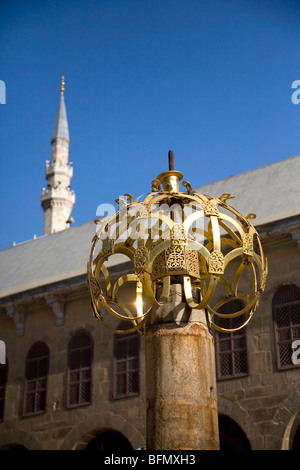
[80, 370]
[126, 365]
[3, 380]
[286, 317]
[231, 348]
[36, 374]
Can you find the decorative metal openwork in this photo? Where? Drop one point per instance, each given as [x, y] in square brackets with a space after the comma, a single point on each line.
[169, 237]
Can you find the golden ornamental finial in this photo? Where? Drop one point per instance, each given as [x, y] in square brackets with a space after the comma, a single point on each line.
[171, 237]
[62, 84]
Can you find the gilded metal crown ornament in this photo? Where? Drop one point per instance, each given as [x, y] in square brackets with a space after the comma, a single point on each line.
[166, 237]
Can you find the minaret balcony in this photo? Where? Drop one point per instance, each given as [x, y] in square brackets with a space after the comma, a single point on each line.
[65, 170]
[58, 192]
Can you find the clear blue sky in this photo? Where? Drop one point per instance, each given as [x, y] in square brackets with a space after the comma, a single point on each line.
[210, 80]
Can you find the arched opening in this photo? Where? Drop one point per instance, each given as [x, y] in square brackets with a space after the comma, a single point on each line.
[232, 437]
[14, 447]
[291, 440]
[109, 440]
[296, 440]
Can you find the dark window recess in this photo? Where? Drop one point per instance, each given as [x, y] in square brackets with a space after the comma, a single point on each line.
[80, 370]
[36, 374]
[232, 436]
[126, 365]
[3, 380]
[296, 440]
[286, 317]
[231, 348]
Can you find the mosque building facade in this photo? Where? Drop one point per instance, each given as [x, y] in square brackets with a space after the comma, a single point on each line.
[68, 383]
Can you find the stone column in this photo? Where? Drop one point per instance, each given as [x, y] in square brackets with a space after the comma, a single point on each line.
[181, 394]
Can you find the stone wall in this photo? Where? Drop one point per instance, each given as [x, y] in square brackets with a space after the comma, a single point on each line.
[267, 400]
[61, 428]
[265, 404]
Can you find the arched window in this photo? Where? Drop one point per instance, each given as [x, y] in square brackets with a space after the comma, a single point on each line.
[126, 365]
[3, 380]
[80, 370]
[231, 348]
[286, 317]
[36, 374]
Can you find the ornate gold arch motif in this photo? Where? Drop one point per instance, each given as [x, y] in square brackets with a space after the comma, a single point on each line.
[171, 236]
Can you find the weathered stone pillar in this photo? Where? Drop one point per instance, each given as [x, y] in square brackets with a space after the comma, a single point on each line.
[181, 395]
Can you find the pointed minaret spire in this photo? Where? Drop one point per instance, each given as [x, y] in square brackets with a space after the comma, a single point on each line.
[61, 128]
[57, 199]
[62, 84]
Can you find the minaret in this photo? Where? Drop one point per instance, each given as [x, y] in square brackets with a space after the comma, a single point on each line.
[58, 199]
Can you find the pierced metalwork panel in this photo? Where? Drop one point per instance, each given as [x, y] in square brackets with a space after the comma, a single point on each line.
[172, 236]
[175, 260]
